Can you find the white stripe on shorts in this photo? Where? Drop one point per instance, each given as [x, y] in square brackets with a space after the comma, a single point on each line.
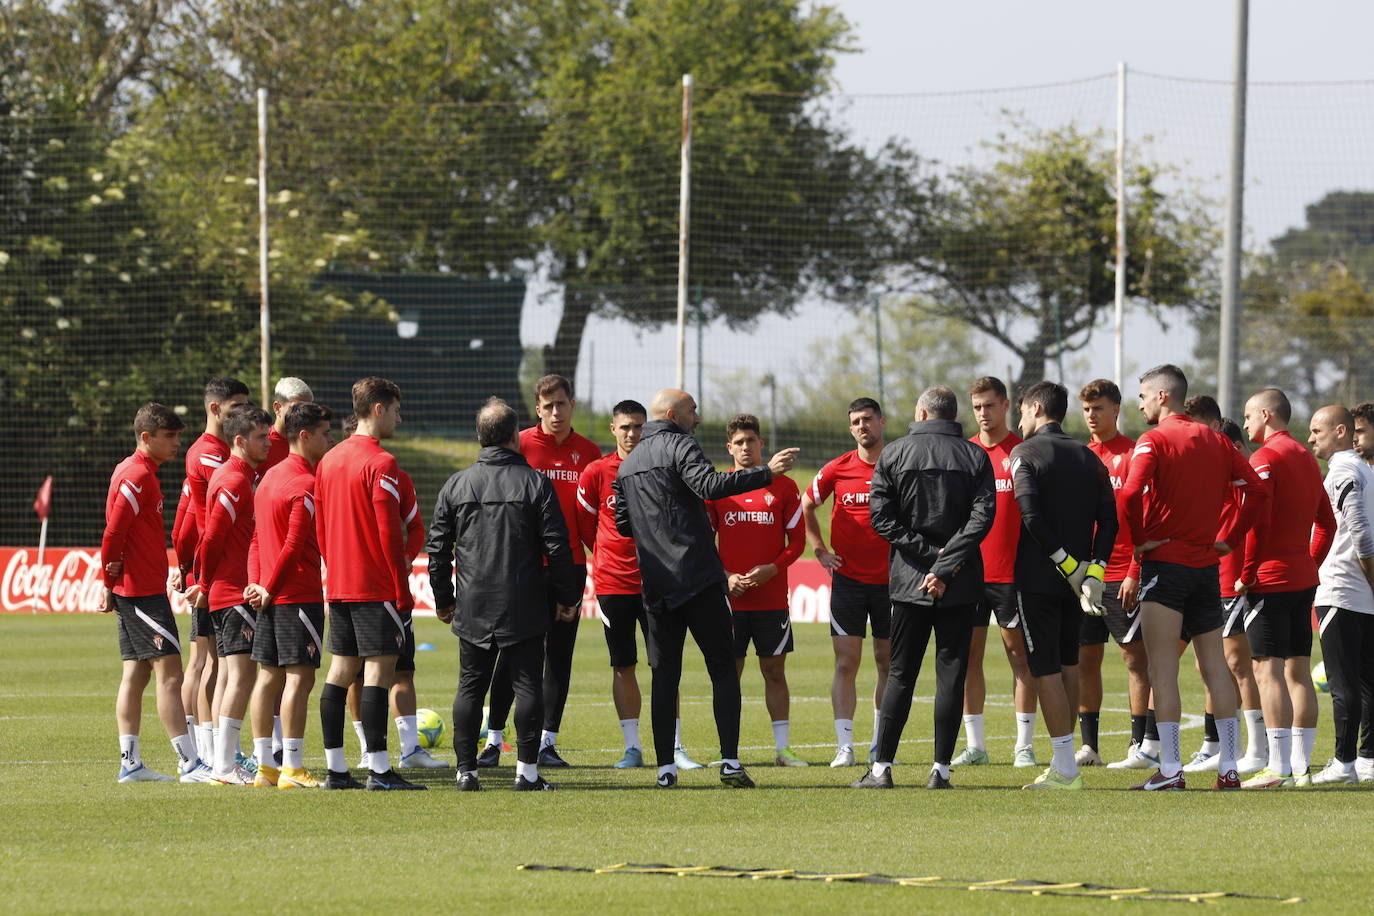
[247, 615]
[310, 627]
[786, 632]
[158, 627]
[1254, 612]
[391, 609]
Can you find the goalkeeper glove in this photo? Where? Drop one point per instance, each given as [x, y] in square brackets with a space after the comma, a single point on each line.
[1090, 592]
[1072, 570]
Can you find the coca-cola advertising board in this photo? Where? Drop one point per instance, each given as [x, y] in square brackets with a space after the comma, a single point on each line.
[68, 581]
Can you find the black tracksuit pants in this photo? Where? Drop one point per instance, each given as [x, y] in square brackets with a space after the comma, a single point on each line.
[707, 616]
[1347, 640]
[524, 661]
[558, 656]
[912, 625]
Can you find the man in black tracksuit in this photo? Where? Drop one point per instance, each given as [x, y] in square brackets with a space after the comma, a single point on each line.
[499, 520]
[659, 493]
[933, 499]
[1068, 518]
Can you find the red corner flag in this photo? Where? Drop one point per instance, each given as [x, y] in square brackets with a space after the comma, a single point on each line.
[43, 503]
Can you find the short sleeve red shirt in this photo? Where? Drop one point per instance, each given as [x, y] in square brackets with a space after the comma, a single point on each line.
[758, 527]
[863, 553]
[615, 568]
[1115, 453]
[563, 464]
[999, 547]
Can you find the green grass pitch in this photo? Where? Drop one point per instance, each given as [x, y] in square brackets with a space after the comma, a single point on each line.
[78, 841]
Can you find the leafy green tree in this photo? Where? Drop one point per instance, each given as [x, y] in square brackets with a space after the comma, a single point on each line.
[1025, 250]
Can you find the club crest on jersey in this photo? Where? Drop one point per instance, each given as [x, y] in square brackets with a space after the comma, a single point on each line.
[577, 457]
[1006, 463]
[1116, 460]
[769, 499]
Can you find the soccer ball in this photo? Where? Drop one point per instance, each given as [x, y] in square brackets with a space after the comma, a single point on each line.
[430, 726]
[1319, 678]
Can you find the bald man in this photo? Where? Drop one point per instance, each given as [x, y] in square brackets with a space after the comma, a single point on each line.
[660, 491]
[1345, 592]
[1279, 574]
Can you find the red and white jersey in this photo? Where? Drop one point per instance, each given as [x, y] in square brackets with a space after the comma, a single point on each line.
[758, 527]
[228, 533]
[277, 450]
[615, 569]
[863, 552]
[284, 534]
[999, 547]
[133, 529]
[205, 456]
[358, 521]
[411, 518]
[1288, 542]
[1115, 453]
[563, 465]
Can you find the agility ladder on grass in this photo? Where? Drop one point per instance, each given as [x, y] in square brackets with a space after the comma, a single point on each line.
[1005, 885]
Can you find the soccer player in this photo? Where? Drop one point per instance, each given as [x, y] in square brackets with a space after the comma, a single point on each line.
[555, 450]
[1069, 514]
[224, 578]
[933, 500]
[1345, 595]
[660, 492]
[858, 572]
[760, 535]
[285, 591]
[1364, 448]
[133, 555]
[1279, 578]
[501, 524]
[1188, 471]
[289, 391]
[362, 542]
[615, 578]
[203, 458]
[1101, 402]
[990, 407]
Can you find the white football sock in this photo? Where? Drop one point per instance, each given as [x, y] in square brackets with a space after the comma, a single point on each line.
[973, 727]
[262, 752]
[1346, 768]
[1150, 747]
[379, 761]
[1025, 729]
[276, 734]
[1280, 751]
[1170, 753]
[668, 768]
[782, 733]
[1228, 730]
[494, 738]
[190, 724]
[879, 768]
[334, 760]
[362, 737]
[629, 728]
[528, 771]
[1064, 760]
[731, 762]
[185, 746]
[293, 752]
[1303, 740]
[547, 739]
[129, 753]
[942, 769]
[1255, 736]
[677, 734]
[226, 743]
[205, 743]
[844, 733]
[1210, 747]
[409, 733]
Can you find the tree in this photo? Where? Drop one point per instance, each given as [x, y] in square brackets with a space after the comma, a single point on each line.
[1025, 250]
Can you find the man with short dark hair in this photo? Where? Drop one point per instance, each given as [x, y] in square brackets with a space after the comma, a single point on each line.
[1279, 578]
[224, 578]
[285, 590]
[1204, 409]
[362, 542]
[554, 449]
[933, 500]
[133, 558]
[760, 536]
[660, 491]
[858, 572]
[498, 522]
[1069, 514]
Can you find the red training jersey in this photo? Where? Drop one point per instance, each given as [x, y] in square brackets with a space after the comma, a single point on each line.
[1288, 542]
[563, 465]
[412, 519]
[205, 456]
[615, 568]
[999, 547]
[758, 527]
[277, 450]
[863, 553]
[1115, 453]
[228, 533]
[1189, 469]
[1229, 569]
[133, 529]
[359, 524]
[284, 534]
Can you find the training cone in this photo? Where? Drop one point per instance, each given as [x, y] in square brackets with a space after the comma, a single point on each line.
[425, 647]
